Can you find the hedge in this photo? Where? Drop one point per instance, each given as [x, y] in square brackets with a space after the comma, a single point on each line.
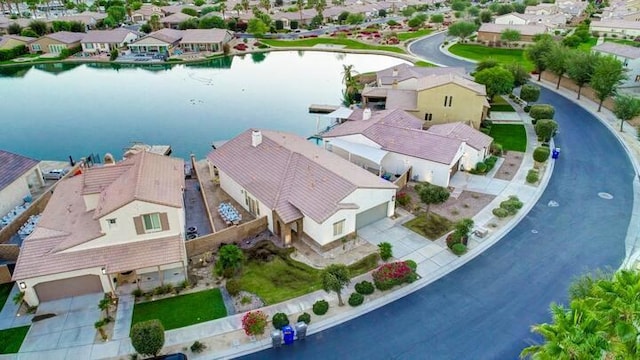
[542, 111]
[541, 154]
[365, 288]
[532, 176]
[392, 274]
[8, 54]
[320, 307]
[356, 299]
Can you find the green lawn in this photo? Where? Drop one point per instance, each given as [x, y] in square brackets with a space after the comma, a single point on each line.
[5, 289]
[423, 64]
[432, 226]
[502, 55]
[404, 36]
[183, 310]
[12, 339]
[510, 136]
[623, 41]
[500, 104]
[586, 46]
[348, 43]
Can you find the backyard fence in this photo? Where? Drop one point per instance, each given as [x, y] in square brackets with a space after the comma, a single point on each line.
[232, 234]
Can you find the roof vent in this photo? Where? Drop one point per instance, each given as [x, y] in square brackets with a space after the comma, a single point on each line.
[394, 73]
[256, 138]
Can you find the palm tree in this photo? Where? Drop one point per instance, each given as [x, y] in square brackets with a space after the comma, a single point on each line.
[237, 7]
[321, 5]
[223, 8]
[334, 278]
[104, 305]
[245, 4]
[300, 4]
[265, 4]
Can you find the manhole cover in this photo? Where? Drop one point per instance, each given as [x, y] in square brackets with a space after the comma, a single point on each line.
[534, 231]
[605, 195]
[553, 204]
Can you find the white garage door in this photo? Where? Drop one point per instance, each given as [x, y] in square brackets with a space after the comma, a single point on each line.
[58, 289]
[372, 215]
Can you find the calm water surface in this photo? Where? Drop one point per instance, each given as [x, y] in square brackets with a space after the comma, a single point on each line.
[53, 111]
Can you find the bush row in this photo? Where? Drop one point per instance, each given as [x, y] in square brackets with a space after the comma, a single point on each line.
[392, 274]
[8, 54]
[508, 207]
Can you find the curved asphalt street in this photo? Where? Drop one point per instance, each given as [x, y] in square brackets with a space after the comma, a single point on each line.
[484, 310]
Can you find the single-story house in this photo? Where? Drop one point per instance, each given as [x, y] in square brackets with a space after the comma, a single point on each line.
[88, 19]
[18, 174]
[161, 41]
[307, 193]
[56, 42]
[393, 141]
[616, 27]
[145, 13]
[12, 41]
[103, 41]
[173, 21]
[107, 226]
[552, 21]
[629, 56]
[493, 32]
[205, 39]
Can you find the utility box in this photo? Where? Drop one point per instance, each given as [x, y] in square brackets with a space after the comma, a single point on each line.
[276, 338]
[288, 334]
[301, 330]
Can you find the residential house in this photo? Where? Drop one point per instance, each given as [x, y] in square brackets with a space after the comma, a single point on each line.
[161, 41]
[303, 18]
[105, 227]
[6, 22]
[493, 32]
[103, 41]
[542, 9]
[173, 21]
[18, 174]
[552, 21]
[145, 13]
[393, 141]
[89, 19]
[628, 55]
[307, 193]
[620, 28]
[177, 9]
[435, 95]
[56, 42]
[211, 40]
[13, 41]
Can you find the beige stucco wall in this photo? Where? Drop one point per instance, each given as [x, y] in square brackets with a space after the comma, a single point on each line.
[12, 195]
[30, 293]
[466, 106]
[44, 43]
[12, 43]
[237, 192]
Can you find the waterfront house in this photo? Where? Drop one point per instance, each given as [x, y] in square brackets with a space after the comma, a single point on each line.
[393, 141]
[105, 227]
[56, 42]
[629, 56]
[493, 32]
[307, 193]
[103, 41]
[435, 95]
[18, 174]
[161, 41]
[211, 40]
[13, 41]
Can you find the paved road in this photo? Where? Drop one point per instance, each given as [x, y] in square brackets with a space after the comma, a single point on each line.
[484, 310]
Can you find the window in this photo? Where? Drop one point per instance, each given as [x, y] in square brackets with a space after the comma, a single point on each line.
[151, 222]
[338, 227]
[36, 47]
[428, 117]
[447, 101]
[88, 45]
[112, 223]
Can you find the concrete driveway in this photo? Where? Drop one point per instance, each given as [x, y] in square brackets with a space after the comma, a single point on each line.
[71, 330]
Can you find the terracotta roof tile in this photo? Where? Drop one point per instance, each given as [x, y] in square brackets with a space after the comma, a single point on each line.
[466, 133]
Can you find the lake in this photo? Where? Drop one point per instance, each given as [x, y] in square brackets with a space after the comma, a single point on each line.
[53, 111]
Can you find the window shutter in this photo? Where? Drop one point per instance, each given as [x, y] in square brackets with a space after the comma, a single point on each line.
[137, 221]
[164, 221]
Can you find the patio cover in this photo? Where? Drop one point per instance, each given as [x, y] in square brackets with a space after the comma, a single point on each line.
[340, 113]
[364, 151]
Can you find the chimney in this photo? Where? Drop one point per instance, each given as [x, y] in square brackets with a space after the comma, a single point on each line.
[256, 138]
[394, 73]
[395, 84]
[366, 114]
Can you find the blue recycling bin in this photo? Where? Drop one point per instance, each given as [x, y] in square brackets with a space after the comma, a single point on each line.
[288, 334]
[555, 153]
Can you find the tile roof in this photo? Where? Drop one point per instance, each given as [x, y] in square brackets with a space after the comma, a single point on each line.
[407, 71]
[176, 18]
[461, 131]
[394, 117]
[204, 36]
[166, 35]
[432, 81]
[6, 38]
[107, 36]
[13, 166]
[527, 30]
[617, 24]
[291, 175]
[66, 37]
[402, 99]
[629, 52]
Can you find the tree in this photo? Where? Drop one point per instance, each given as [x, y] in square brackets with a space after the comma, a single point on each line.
[104, 305]
[300, 5]
[571, 41]
[343, 17]
[416, 22]
[519, 7]
[190, 11]
[334, 278]
[486, 16]
[257, 28]
[229, 259]
[607, 76]
[557, 61]
[625, 108]
[189, 24]
[462, 29]
[510, 35]
[497, 80]
[386, 250]
[437, 18]
[505, 9]
[546, 129]
[432, 194]
[265, 4]
[154, 23]
[211, 22]
[580, 68]
[118, 13]
[355, 19]
[245, 4]
[147, 337]
[237, 7]
[487, 64]
[39, 27]
[520, 74]
[320, 6]
[530, 93]
[14, 29]
[537, 53]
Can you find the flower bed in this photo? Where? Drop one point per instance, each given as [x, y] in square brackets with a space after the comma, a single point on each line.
[254, 323]
[392, 274]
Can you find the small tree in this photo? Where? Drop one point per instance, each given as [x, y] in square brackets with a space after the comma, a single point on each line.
[432, 194]
[39, 27]
[510, 35]
[487, 64]
[486, 16]
[147, 337]
[463, 229]
[537, 54]
[497, 80]
[437, 18]
[529, 93]
[334, 278]
[230, 257]
[104, 305]
[606, 78]
[581, 67]
[545, 129]
[462, 29]
[625, 108]
[557, 60]
[386, 250]
[257, 28]
[541, 154]
[520, 74]
[542, 111]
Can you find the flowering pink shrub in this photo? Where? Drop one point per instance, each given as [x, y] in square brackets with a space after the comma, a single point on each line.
[254, 322]
[392, 274]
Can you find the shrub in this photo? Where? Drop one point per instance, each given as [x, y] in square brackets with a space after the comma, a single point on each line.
[542, 111]
[8, 54]
[320, 307]
[541, 154]
[279, 320]
[137, 293]
[68, 52]
[113, 55]
[233, 287]
[356, 299]
[254, 323]
[527, 108]
[511, 205]
[198, 347]
[481, 168]
[365, 288]
[532, 176]
[463, 228]
[529, 93]
[386, 251]
[305, 318]
[147, 337]
[411, 264]
[392, 274]
[496, 149]
[459, 249]
[546, 129]
[403, 199]
[500, 212]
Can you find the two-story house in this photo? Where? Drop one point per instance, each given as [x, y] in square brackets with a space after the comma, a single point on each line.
[107, 224]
